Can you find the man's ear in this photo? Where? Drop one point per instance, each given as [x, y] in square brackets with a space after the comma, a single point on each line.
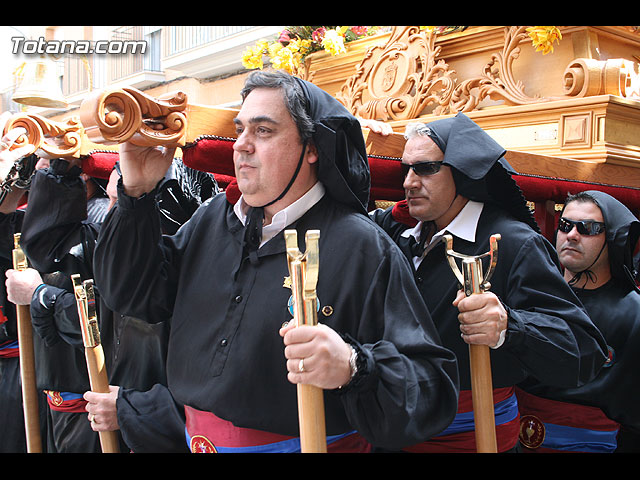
[311, 155]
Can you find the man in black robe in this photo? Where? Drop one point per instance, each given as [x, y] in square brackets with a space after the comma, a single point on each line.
[60, 366]
[301, 164]
[458, 183]
[595, 240]
[58, 237]
[12, 436]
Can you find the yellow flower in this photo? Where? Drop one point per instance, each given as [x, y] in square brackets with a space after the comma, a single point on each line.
[285, 59]
[333, 42]
[250, 60]
[252, 56]
[305, 46]
[274, 48]
[428, 29]
[543, 37]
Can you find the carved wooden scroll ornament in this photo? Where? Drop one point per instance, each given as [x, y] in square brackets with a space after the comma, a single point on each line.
[48, 139]
[115, 116]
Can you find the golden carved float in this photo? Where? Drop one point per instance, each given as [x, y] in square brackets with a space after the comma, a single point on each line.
[580, 102]
[573, 114]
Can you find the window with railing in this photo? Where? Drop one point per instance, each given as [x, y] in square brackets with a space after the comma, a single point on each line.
[181, 38]
[76, 76]
[85, 73]
[130, 62]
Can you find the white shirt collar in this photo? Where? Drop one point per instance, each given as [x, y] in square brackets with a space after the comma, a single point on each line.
[464, 226]
[287, 215]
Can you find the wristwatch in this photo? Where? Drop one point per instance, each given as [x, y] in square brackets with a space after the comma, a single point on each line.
[353, 362]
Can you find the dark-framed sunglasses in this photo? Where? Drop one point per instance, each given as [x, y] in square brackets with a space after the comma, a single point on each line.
[422, 169]
[585, 227]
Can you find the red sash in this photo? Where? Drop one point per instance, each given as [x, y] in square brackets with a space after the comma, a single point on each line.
[507, 426]
[555, 426]
[66, 401]
[207, 433]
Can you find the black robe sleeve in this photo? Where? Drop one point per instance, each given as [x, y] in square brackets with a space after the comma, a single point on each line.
[54, 315]
[136, 240]
[56, 235]
[151, 421]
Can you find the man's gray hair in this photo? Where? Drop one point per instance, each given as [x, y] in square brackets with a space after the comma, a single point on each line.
[415, 129]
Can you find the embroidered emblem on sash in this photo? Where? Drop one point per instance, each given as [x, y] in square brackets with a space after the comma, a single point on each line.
[532, 431]
[201, 444]
[56, 398]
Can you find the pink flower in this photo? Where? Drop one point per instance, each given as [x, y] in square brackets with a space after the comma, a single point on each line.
[359, 30]
[284, 37]
[318, 34]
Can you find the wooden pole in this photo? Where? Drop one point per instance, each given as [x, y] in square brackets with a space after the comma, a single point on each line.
[481, 377]
[304, 276]
[94, 354]
[27, 362]
[482, 397]
[473, 282]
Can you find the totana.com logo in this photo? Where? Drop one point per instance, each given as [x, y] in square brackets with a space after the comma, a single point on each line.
[81, 47]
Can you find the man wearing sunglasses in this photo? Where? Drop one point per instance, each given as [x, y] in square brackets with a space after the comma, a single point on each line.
[596, 239]
[458, 182]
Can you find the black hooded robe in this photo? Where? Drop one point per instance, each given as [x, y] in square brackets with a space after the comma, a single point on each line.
[58, 238]
[11, 414]
[549, 335]
[608, 402]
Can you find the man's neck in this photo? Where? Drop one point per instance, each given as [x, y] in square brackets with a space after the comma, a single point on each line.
[589, 281]
[289, 199]
[456, 207]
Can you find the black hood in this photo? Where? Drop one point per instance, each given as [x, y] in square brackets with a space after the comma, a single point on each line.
[622, 230]
[479, 168]
[343, 166]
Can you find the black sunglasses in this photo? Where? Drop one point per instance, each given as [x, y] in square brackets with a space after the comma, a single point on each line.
[421, 169]
[585, 227]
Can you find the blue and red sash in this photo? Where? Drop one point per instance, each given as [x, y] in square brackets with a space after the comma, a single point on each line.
[459, 437]
[9, 349]
[66, 401]
[554, 426]
[206, 433]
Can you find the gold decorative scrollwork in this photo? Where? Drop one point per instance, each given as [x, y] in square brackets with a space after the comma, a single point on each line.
[497, 80]
[49, 139]
[119, 115]
[402, 78]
